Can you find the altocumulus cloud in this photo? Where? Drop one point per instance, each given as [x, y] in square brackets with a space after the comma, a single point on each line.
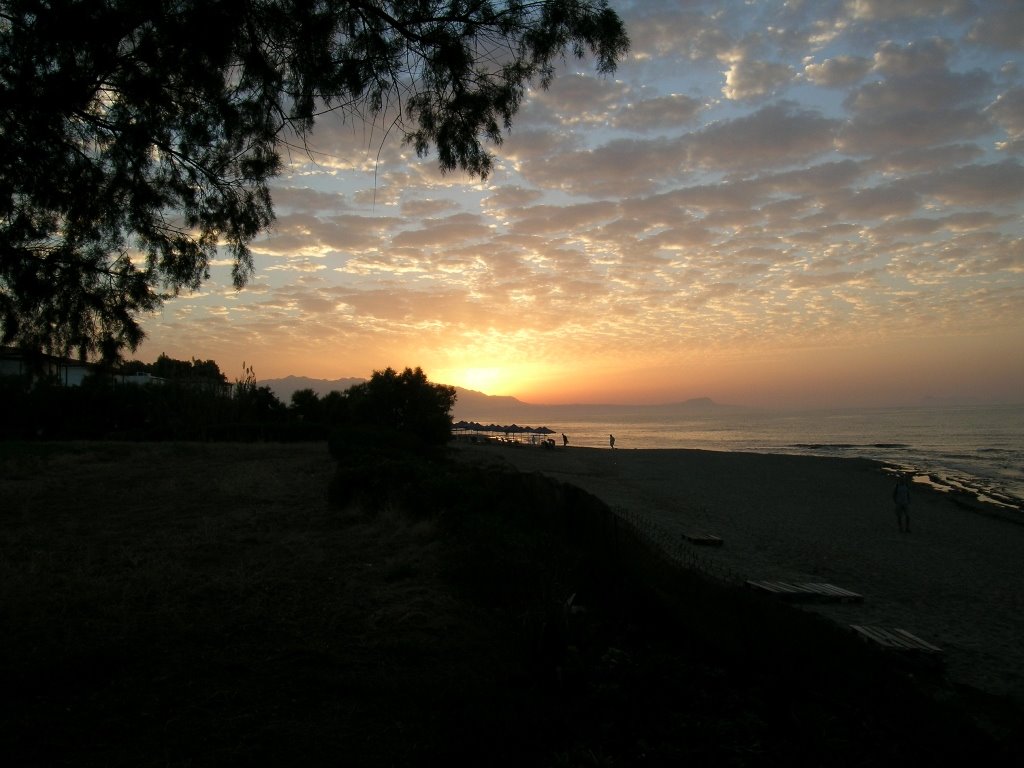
[782, 175]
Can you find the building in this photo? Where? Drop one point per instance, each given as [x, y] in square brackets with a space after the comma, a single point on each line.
[65, 370]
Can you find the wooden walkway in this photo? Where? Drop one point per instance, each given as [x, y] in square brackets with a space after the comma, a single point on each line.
[895, 639]
[807, 592]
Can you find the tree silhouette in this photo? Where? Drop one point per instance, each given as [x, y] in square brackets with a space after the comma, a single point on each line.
[140, 135]
[404, 403]
[306, 405]
[191, 370]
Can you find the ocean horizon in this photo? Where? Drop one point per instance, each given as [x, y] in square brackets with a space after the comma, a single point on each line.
[975, 448]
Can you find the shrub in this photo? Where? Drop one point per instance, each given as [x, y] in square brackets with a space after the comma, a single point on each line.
[404, 403]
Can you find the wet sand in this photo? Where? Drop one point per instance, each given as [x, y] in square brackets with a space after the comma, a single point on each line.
[957, 580]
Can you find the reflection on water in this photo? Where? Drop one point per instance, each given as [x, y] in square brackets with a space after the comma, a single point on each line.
[977, 449]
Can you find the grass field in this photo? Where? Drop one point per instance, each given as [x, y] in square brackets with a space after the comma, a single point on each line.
[195, 604]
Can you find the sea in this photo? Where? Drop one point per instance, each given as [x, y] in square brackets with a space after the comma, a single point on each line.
[970, 448]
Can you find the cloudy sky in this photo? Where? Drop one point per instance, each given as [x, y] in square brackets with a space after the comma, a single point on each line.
[770, 203]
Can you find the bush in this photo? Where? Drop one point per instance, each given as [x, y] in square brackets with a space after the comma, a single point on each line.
[404, 403]
[378, 468]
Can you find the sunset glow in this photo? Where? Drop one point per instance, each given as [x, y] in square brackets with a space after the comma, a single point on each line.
[491, 380]
[780, 203]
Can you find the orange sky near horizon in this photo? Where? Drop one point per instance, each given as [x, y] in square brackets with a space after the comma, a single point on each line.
[912, 373]
[781, 205]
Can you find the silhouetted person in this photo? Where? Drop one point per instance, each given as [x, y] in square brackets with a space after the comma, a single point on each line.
[901, 497]
[565, 440]
[611, 441]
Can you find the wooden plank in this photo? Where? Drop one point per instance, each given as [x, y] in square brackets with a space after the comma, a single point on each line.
[774, 587]
[807, 591]
[833, 592]
[889, 639]
[871, 633]
[896, 639]
[874, 633]
[788, 589]
[918, 642]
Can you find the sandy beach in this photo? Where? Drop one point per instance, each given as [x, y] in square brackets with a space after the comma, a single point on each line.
[955, 580]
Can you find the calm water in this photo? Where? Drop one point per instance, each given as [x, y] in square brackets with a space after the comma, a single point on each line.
[979, 448]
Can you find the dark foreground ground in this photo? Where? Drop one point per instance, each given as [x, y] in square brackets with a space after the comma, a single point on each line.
[187, 604]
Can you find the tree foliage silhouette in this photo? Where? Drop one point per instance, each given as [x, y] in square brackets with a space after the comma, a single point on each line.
[403, 403]
[306, 405]
[140, 135]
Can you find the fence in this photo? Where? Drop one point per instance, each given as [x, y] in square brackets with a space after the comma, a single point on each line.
[673, 549]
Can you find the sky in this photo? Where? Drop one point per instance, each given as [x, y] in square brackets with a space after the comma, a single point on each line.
[783, 204]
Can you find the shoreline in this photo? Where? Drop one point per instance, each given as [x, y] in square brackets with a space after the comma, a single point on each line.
[954, 581]
[252, 616]
[973, 492]
[978, 449]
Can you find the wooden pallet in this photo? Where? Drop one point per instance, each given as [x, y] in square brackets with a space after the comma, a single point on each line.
[705, 539]
[807, 591]
[896, 639]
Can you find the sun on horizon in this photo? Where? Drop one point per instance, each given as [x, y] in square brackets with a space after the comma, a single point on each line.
[828, 213]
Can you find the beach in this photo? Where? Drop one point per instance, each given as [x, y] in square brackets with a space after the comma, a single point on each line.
[199, 603]
[954, 581]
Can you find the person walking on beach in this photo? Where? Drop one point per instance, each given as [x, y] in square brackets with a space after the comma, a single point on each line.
[565, 440]
[611, 441]
[901, 497]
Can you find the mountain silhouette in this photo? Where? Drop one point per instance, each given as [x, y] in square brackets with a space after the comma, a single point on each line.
[471, 405]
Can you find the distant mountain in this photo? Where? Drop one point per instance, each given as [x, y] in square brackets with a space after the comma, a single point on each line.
[469, 401]
[694, 404]
[284, 388]
[466, 398]
[471, 405]
[476, 406]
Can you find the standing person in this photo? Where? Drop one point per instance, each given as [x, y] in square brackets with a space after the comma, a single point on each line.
[565, 440]
[611, 441]
[901, 497]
